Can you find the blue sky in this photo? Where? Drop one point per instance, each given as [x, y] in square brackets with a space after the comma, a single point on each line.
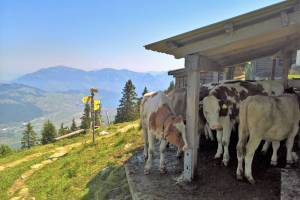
[94, 34]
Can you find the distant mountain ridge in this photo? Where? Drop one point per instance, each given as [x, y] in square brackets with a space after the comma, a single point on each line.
[109, 81]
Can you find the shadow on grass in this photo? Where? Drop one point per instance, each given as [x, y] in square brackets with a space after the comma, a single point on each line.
[110, 183]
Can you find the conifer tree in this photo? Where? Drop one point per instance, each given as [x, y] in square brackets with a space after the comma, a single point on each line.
[48, 132]
[62, 130]
[127, 109]
[73, 126]
[86, 117]
[144, 91]
[29, 137]
[171, 87]
[140, 99]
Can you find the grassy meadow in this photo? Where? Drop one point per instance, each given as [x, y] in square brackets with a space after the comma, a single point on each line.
[87, 171]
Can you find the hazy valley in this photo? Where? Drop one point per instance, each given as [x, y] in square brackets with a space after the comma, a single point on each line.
[55, 93]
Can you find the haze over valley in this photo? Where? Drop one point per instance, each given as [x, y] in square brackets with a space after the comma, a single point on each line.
[55, 93]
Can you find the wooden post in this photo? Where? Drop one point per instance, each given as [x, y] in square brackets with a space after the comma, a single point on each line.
[274, 62]
[93, 91]
[193, 87]
[287, 61]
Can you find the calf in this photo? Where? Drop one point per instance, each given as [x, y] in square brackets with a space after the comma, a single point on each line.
[221, 107]
[266, 118]
[159, 120]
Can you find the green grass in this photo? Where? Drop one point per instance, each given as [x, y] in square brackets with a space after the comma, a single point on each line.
[86, 172]
[291, 76]
[41, 148]
[9, 175]
[80, 173]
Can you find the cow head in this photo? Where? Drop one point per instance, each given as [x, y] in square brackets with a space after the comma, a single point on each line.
[211, 111]
[175, 132]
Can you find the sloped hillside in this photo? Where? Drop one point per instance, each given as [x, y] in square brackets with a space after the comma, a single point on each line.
[72, 168]
[20, 104]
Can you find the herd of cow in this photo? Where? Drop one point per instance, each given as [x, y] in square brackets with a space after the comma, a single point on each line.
[262, 109]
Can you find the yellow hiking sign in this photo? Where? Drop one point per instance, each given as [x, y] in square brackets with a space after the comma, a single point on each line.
[96, 104]
[86, 99]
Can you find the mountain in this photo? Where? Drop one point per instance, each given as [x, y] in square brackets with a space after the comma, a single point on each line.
[20, 104]
[16, 103]
[109, 81]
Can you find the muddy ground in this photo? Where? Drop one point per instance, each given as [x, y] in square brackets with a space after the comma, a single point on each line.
[214, 181]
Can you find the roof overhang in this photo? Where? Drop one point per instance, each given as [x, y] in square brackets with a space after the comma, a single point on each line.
[252, 35]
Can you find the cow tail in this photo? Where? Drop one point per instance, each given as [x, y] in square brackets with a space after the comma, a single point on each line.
[243, 128]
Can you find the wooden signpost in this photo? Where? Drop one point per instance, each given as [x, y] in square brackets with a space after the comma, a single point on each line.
[95, 105]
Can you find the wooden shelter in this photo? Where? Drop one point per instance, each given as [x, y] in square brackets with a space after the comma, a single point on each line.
[273, 30]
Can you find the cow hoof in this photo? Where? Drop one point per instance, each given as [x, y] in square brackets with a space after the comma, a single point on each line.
[239, 177]
[225, 162]
[163, 171]
[289, 163]
[295, 157]
[273, 163]
[251, 180]
[146, 172]
[217, 156]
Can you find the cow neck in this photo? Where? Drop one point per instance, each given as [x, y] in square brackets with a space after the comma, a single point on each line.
[164, 123]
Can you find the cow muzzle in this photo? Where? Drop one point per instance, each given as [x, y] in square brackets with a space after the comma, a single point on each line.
[216, 127]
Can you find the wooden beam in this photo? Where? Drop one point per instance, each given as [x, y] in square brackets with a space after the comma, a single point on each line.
[192, 65]
[261, 31]
[287, 62]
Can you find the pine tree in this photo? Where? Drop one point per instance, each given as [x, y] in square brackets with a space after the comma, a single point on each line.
[171, 87]
[144, 91]
[29, 137]
[48, 132]
[73, 126]
[62, 130]
[127, 109]
[86, 119]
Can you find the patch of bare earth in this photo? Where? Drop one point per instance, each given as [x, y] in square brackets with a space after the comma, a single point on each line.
[19, 190]
[17, 162]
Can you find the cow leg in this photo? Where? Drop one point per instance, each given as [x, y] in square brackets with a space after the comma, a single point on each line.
[146, 144]
[275, 147]
[265, 147]
[162, 150]
[208, 132]
[220, 147]
[150, 153]
[225, 141]
[240, 156]
[251, 147]
[290, 144]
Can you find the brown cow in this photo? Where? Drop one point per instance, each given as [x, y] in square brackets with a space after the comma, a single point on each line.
[159, 120]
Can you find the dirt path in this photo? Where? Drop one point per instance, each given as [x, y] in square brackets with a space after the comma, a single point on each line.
[17, 162]
[19, 190]
[126, 128]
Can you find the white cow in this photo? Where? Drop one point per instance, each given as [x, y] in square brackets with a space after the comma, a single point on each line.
[221, 107]
[159, 120]
[266, 118]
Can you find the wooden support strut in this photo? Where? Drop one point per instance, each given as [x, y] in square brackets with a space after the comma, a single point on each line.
[192, 64]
